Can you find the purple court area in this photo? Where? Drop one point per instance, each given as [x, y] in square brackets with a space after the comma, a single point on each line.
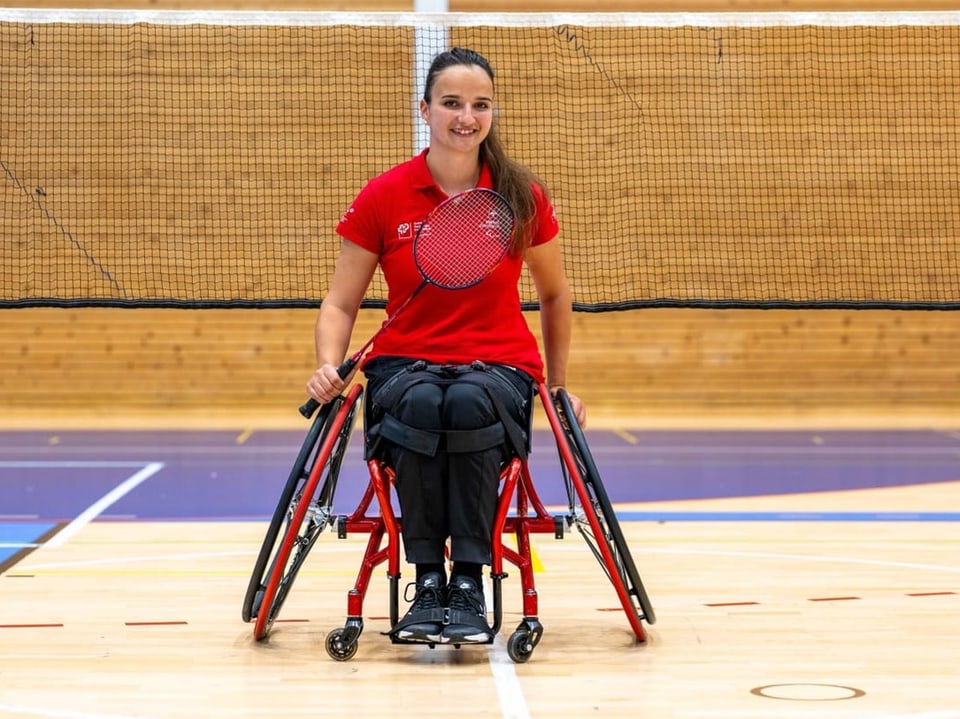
[206, 475]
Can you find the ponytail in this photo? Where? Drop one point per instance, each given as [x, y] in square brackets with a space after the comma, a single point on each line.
[515, 182]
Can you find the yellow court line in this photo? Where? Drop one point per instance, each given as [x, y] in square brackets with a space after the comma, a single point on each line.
[535, 562]
[244, 436]
[625, 436]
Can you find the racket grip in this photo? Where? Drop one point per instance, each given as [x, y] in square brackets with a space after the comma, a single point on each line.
[347, 367]
[309, 407]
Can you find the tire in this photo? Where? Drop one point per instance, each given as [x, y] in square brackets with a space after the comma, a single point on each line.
[593, 515]
[304, 511]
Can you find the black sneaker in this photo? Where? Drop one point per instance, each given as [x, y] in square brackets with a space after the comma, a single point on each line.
[468, 614]
[424, 620]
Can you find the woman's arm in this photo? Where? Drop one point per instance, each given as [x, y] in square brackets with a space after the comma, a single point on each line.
[338, 313]
[556, 314]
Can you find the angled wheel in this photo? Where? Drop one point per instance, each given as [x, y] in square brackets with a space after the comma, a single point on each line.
[304, 511]
[594, 517]
[299, 473]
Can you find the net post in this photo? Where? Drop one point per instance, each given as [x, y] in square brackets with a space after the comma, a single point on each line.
[430, 39]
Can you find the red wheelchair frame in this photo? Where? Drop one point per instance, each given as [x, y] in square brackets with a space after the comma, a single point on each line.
[305, 510]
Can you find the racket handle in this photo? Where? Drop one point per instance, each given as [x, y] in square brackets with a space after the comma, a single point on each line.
[347, 367]
[309, 407]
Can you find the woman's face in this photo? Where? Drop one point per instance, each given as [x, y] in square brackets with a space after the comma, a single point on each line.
[460, 112]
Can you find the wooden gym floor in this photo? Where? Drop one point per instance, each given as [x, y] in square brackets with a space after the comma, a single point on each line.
[795, 573]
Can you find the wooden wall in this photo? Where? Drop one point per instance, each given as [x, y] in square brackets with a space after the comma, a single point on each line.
[241, 368]
[651, 367]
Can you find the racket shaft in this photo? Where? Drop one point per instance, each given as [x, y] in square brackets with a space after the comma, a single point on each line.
[462, 240]
[343, 371]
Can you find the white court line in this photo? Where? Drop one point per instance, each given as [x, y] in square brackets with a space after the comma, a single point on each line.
[64, 464]
[57, 713]
[187, 556]
[802, 557]
[95, 509]
[512, 702]
[152, 558]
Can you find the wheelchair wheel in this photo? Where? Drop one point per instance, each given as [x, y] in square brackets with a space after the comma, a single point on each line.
[304, 511]
[595, 519]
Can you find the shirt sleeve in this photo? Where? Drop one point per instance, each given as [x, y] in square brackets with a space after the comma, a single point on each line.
[547, 225]
[361, 223]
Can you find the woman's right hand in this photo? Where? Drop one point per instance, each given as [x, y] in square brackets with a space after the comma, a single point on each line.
[325, 383]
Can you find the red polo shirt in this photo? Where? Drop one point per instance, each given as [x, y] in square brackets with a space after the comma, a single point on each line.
[483, 322]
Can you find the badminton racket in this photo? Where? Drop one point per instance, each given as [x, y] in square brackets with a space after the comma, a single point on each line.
[457, 246]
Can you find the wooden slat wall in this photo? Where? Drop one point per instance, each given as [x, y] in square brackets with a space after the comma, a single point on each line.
[237, 367]
[242, 367]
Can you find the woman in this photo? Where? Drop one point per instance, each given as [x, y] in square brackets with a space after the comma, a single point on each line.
[450, 379]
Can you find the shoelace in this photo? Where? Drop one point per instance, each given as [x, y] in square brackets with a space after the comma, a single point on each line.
[425, 598]
[465, 599]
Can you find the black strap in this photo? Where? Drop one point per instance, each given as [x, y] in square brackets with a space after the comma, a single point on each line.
[429, 442]
[421, 441]
[516, 435]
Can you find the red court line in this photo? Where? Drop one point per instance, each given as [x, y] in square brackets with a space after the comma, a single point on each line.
[732, 604]
[28, 626]
[928, 594]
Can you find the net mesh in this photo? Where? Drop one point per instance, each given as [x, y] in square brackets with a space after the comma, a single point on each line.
[207, 164]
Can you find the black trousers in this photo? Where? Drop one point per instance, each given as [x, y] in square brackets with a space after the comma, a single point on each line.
[450, 494]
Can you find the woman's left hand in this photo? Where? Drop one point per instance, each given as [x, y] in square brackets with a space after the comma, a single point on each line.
[579, 410]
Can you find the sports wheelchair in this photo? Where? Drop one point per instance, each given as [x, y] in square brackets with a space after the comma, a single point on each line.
[306, 509]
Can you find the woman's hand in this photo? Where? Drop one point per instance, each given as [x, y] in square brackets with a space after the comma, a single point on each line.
[579, 410]
[325, 384]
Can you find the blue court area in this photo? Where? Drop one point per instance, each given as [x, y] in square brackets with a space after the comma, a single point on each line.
[50, 479]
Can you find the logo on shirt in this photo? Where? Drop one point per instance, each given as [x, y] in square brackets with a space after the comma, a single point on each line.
[406, 230]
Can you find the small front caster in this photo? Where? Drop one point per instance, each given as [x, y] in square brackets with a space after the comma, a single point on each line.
[524, 640]
[342, 643]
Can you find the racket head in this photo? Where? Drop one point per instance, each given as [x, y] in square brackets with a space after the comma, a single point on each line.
[464, 238]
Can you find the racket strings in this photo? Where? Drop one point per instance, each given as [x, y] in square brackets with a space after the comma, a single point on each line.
[464, 240]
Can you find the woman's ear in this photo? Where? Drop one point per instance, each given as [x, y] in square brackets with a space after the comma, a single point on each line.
[424, 111]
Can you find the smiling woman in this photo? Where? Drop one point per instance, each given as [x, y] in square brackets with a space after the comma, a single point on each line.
[450, 378]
